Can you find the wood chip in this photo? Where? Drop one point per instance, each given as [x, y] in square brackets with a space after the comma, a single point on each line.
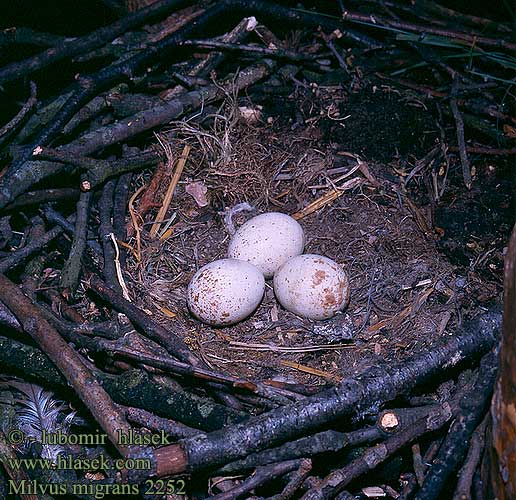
[328, 198]
[374, 492]
[170, 191]
[136, 226]
[311, 371]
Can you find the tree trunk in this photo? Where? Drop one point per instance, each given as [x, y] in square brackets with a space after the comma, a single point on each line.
[503, 464]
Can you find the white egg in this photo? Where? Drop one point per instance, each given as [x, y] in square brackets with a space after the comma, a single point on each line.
[312, 286]
[225, 291]
[268, 241]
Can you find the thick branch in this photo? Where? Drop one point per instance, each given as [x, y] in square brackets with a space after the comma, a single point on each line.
[68, 225]
[372, 457]
[43, 195]
[166, 338]
[120, 199]
[465, 475]
[72, 268]
[133, 388]
[459, 124]
[27, 36]
[105, 412]
[381, 384]
[145, 418]
[88, 87]
[322, 442]
[97, 171]
[13, 125]
[262, 475]
[471, 410]
[159, 115]
[105, 207]
[255, 50]
[376, 22]
[97, 38]
[19, 179]
[265, 10]
[19, 256]
[450, 453]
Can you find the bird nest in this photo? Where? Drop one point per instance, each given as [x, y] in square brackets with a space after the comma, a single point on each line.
[404, 293]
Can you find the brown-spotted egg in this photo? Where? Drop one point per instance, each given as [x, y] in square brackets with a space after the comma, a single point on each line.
[225, 291]
[267, 241]
[312, 286]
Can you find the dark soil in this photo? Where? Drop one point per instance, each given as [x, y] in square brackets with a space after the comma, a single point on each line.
[390, 126]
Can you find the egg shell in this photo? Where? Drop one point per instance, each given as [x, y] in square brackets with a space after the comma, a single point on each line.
[268, 241]
[225, 291]
[312, 286]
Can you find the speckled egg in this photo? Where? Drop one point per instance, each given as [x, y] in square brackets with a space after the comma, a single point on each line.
[268, 241]
[312, 286]
[225, 291]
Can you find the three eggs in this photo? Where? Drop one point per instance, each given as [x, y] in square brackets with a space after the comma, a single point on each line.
[270, 245]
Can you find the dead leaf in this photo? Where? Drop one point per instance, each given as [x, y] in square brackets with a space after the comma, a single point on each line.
[510, 131]
[197, 190]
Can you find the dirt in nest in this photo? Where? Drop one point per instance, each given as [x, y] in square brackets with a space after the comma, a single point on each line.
[391, 125]
[405, 293]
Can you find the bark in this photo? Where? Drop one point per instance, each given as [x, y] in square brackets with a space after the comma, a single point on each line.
[411, 479]
[137, 388]
[253, 50]
[97, 171]
[503, 463]
[150, 421]
[459, 125]
[322, 442]
[18, 476]
[88, 87]
[105, 207]
[41, 117]
[159, 115]
[21, 255]
[28, 173]
[153, 330]
[467, 472]
[168, 364]
[27, 36]
[68, 225]
[261, 476]
[447, 13]
[72, 267]
[268, 10]
[120, 199]
[169, 340]
[466, 38]
[9, 128]
[372, 457]
[43, 195]
[95, 107]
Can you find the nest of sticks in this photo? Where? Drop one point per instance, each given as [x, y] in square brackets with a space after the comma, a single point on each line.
[383, 128]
